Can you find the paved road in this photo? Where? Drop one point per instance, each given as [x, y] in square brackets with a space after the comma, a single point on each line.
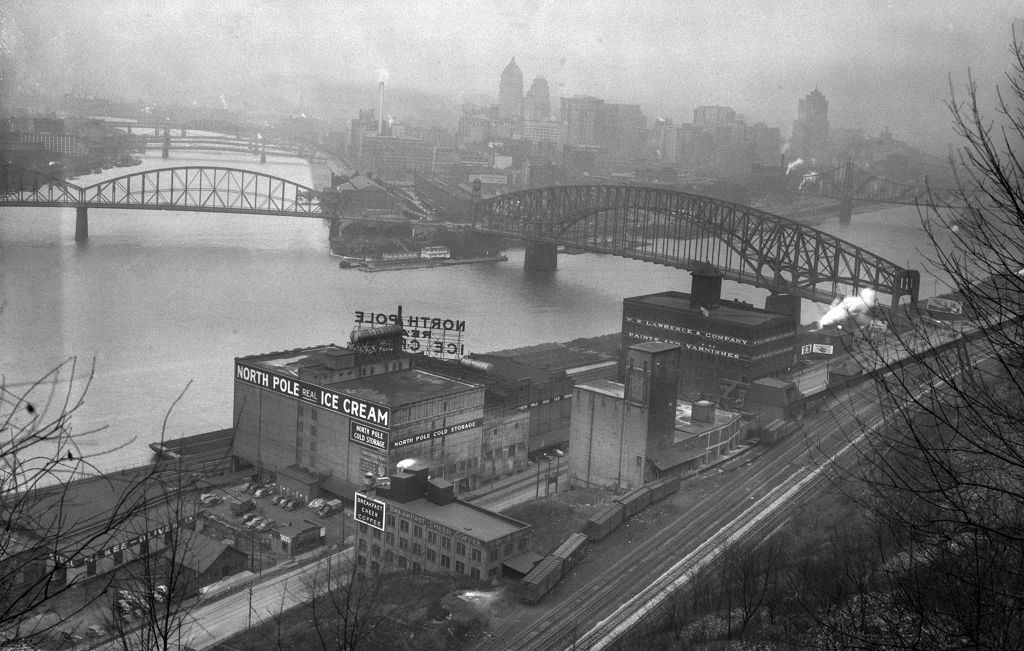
[218, 620]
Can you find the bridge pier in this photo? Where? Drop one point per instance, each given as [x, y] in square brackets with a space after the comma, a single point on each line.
[845, 210]
[166, 152]
[541, 256]
[81, 224]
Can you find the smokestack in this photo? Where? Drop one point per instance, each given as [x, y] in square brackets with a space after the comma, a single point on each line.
[380, 109]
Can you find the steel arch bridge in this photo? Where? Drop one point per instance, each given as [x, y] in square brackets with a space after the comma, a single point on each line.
[689, 231]
[849, 181]
[206, 189]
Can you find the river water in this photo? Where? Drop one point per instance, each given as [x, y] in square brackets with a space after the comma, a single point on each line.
[157, 303]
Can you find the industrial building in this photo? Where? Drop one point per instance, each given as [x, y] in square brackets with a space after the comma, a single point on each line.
[719, 340]
[417, 524]
[317, 419]
[625, 434]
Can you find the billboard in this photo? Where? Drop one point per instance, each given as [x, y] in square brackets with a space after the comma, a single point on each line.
[433, 336]
[369, 511]
[356, 408]
[945, 305]
[819, 349]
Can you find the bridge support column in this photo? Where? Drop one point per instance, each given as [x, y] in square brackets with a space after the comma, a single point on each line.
[845, 210]
[263, 155]
[541, 256]
[335, 228]
[81, 224]
[166, 152]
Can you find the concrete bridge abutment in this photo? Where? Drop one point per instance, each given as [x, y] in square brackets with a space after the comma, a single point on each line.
[81, 224]
[541, 256]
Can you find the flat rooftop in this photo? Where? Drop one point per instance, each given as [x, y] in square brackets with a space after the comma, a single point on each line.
[606, 387]
[401, 387]
[292, 362]
[735, 311]
[461, 516]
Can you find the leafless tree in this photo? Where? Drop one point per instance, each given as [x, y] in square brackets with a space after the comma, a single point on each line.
[946, 477]
[49, 532]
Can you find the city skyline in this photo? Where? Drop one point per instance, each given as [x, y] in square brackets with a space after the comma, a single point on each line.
[880, 64]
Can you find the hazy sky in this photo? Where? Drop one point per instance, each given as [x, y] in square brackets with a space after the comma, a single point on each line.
[879, 63]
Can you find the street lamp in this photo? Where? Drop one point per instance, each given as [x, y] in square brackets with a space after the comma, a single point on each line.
[558, 457]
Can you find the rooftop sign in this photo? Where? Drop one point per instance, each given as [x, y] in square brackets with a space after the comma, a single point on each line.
[369, 511]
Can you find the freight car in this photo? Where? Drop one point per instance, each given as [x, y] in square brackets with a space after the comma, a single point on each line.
[662, 488]
[604, 521]
[544, 576]
[634, 501]
[571, 551]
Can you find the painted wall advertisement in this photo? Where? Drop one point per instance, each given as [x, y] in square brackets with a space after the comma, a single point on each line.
[437, 433]
[350, 406]
[370, 437]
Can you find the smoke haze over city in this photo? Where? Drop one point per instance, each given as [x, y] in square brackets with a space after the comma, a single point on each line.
[880, 63]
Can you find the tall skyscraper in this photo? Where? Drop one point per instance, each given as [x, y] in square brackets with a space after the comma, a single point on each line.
[538, 101]
[510, 93]
[810, 129]
[582, 115]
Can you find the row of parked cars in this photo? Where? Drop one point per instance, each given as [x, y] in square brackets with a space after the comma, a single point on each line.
[323, 507]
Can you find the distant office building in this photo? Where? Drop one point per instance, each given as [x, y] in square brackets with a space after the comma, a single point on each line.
[544, 131]
[364, 125]
[394, 157]
[624, 130]
[582, 116]
[538, 101]
[811, 129]
[510, 92]
[719, 340]
[707, 116]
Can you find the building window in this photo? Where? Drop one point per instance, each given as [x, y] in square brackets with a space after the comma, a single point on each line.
[403, 525]
[389, 538]
[474, 554]
[374, 565]
[474, 572]
[417, 548]
[639, 461]
[445, 561]
[375, 550]
[417, 531]
[460, 548]
[361, 561]
[300, 429]
[388, 556]
[511, 450]
[432, 537]
[403, 543]
[431, 556]
[362, 544]
[376, 533]
[494, 554]
[391, 520]
[510, 548]
[401, 562]
[460, 567]
[415, 567]
[446, 542]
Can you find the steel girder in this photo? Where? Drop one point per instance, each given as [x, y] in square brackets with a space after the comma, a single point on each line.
[21, 187]
[688, 231]
[854, 182]
[207, 189]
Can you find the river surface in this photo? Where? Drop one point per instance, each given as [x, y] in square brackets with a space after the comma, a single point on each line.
[157, 303]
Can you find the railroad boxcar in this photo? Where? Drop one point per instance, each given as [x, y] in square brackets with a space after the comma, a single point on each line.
[634, 501]
[544, 576]
[604, 521]
[662, 488]
[571, 551]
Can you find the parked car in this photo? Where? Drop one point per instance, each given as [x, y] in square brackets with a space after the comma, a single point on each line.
[265, 525]
[250, 517]
[209, 499]
[241, 508]
[332, 506]
[252, 524]
[291, 505]
[263, 492]
[317, 503]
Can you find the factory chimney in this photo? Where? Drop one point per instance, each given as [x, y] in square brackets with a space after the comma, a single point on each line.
[380, 110]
